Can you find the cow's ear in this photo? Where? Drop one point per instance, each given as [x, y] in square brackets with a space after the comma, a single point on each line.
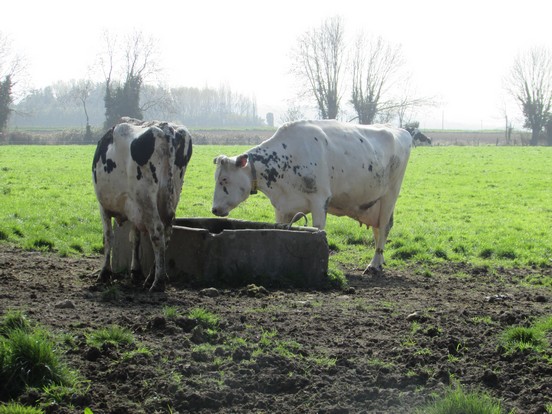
[241, 161]
[220, 159]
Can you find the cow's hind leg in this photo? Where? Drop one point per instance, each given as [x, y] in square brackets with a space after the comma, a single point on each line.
[157, 237]
[106, 272]
[136, 273]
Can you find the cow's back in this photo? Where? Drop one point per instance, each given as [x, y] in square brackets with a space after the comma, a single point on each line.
[352, 165]
[350, 155]
[139, 167]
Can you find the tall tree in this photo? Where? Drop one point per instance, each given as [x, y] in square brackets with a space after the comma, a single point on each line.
[80, 92]
[138, 63]
[375, 65]
[5, 101]
[12, 67]
[318, 62]
[530, 84]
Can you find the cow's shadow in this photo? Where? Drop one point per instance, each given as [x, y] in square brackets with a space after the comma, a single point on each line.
[385, 279]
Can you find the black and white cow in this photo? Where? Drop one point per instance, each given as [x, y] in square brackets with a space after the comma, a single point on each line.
[321, 167]
[418, 137]
[138, 172]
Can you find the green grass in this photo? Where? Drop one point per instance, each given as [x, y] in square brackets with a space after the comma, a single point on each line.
[112, 335]
[528, 338]
[457, 401]
[171, 312]
[29, 357]
[204, 318]
[480, 205]
[15, 408]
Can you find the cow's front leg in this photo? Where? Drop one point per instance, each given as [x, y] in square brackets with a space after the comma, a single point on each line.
[319, 211]
[376, 264]
[380, 238]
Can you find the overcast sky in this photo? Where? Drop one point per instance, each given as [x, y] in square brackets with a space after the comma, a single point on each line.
[457, 52]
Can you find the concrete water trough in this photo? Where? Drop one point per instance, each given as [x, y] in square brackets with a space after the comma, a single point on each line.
[228, 252]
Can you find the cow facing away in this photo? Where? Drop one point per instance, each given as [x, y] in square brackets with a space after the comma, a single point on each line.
[321, 167]
[138, 172]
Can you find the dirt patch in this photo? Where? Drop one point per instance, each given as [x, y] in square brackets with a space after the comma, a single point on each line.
[384, 346]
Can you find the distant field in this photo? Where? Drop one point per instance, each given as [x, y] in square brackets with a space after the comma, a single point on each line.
[253, 136]
[483, 205]
[444, 137]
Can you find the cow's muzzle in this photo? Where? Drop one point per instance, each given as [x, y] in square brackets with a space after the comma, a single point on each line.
[219, 212]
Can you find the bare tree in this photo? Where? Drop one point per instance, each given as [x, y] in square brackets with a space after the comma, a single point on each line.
[408, 102]
[375, 65]
[530, 84]
[136, 62]
[80, 92]
[293, 113]
[12, 69]
[318, 62]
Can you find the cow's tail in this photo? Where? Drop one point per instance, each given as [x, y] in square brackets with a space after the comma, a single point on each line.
[166, 202]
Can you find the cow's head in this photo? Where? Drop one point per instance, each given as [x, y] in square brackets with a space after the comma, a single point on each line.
[233, 183]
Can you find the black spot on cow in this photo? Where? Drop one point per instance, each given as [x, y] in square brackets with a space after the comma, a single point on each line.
[182, 159]
[309, 185]
[101, 151]
[270, 175]
[109, 166]
[153, 170]
[284, 145]
[361, 140]
[138, 173]
[316, 139]
[370, 167]
[142, 147]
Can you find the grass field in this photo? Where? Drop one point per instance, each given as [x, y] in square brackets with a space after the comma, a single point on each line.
[481, 205]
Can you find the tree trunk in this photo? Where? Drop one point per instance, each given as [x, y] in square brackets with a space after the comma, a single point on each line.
[534, 137]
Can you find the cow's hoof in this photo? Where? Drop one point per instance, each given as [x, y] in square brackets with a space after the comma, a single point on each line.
[136, 276]
[157, 287]
[104, 277]
[373, 271]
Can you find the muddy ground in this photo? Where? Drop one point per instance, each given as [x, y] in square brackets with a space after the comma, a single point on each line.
[385, 345]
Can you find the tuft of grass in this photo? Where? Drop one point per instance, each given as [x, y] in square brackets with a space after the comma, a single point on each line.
[527, 338]
[112, 335]
[14, 320]
[204, 318]
[457, 401]
[16, 408]
[29, 358]
[111, 293]
[171, 312]
[336, 276]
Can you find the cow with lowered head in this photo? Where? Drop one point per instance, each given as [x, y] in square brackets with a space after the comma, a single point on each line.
[138, 172]
[321, 167]
[418, 137]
